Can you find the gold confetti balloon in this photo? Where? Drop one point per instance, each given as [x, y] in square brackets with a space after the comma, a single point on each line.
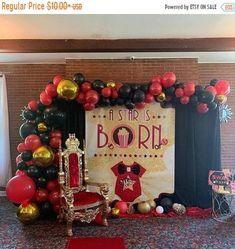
[179, 209]
[161, 97]
[27, 214]
[115, 212]
[221, 99]
[152, 204]
[67, 89]
[43, 156]
[143, 207]
[111, 84]
[42, 127]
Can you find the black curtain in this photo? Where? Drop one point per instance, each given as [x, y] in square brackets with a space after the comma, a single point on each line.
[197, 149]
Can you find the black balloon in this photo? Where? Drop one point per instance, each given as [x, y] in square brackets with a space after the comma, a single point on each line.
[26, 129]
[51, 172]
[198, 90]
[212, 105]
[34, 171]
[50, 115]
[124, 91]
[41, 107]
[213, 82]
[135, 87]
[120, 101]
[29, 114]
[193, 100]
[98, 85]
[78, 78]
[166, 203]
[46, 209]
[41, 182]
[26, 155]
[113, 203]
[129, 104]
[45, 138]
[104, 101]
[138, 96]
[113, 102]
[22, 165]
[206, 97]
[135, 206]
[170, 91]
[144, 87]
[178, 84]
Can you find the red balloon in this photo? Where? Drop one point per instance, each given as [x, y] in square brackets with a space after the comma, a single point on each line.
[222, 87]
[51, 90]
[41, 195]
[202, 108]
[168, 79]
[212, 90]
[29, 163]
[55, 142]
[53, 185]
[118, 85]
[20, 188]
[57, 79]
[179, 92]
[149, 98]
[56, 208]
[189, 89]
[21, 147]
[32, 105]
[81, 98]
[92, 97]
[55, 133]
[114, 94]
[20, 172]
[140, 105]
[106, 92]
[86, 86]
[88, 106]
[156, 79]
[45, 98]
[54, 197]
[32, 142]
[122, 206]
[184, 100]
[155, 89]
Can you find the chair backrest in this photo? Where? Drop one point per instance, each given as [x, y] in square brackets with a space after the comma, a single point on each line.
[71, 159]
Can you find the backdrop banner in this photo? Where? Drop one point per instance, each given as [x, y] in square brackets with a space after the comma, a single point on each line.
[132, 150]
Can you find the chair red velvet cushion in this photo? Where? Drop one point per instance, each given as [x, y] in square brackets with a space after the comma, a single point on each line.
[74, 170]
[85, 198]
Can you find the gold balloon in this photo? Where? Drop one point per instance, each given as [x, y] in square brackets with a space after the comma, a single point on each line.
[43, 156]
[152, 204]
[67, 89]
[28, 214]
[111, 84]
[115, 212]
[161, 97]
[179, 209]
[42, 127]
[221, 99]
[143, 207]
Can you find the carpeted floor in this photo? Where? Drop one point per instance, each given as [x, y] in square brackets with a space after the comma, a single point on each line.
[139, 233]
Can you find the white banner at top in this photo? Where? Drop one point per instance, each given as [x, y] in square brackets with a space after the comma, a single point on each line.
[116, 7]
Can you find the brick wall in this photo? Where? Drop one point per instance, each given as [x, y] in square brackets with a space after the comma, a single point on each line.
[24, 83]
[226, 71]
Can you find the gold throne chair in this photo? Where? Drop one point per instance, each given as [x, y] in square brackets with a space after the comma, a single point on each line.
[77, 203]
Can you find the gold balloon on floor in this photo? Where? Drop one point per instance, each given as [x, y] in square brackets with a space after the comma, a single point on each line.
[115, 212]
[152, 203]
[43, 156]
[143, 207]
[28, 214]
[67, 89]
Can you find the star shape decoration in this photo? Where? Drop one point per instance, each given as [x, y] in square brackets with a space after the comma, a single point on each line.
[128, 183]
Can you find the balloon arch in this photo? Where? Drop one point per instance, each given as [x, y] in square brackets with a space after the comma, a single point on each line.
[35, 187]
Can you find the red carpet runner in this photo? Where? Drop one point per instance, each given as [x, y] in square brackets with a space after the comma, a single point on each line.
[96, 243]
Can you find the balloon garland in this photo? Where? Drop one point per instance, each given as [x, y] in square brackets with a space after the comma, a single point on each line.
[35, 184]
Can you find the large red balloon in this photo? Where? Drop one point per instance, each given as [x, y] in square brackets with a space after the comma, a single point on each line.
[53, 185]
[189, 89]
[168, 79]
[32, 105]
[179, 92]
[55, 133]
[21, 147]
[91, 97]
[54, 197]
[155, 89]
[51, 90]
[20, 188]
[88, 106]
[222, 87]
[32, 142]
[149, 98]
[86, 86]
[106, 92]
[156, 79]
[55, 142]
[122, 206]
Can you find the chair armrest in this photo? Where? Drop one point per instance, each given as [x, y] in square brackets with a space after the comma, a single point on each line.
[104, 188]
